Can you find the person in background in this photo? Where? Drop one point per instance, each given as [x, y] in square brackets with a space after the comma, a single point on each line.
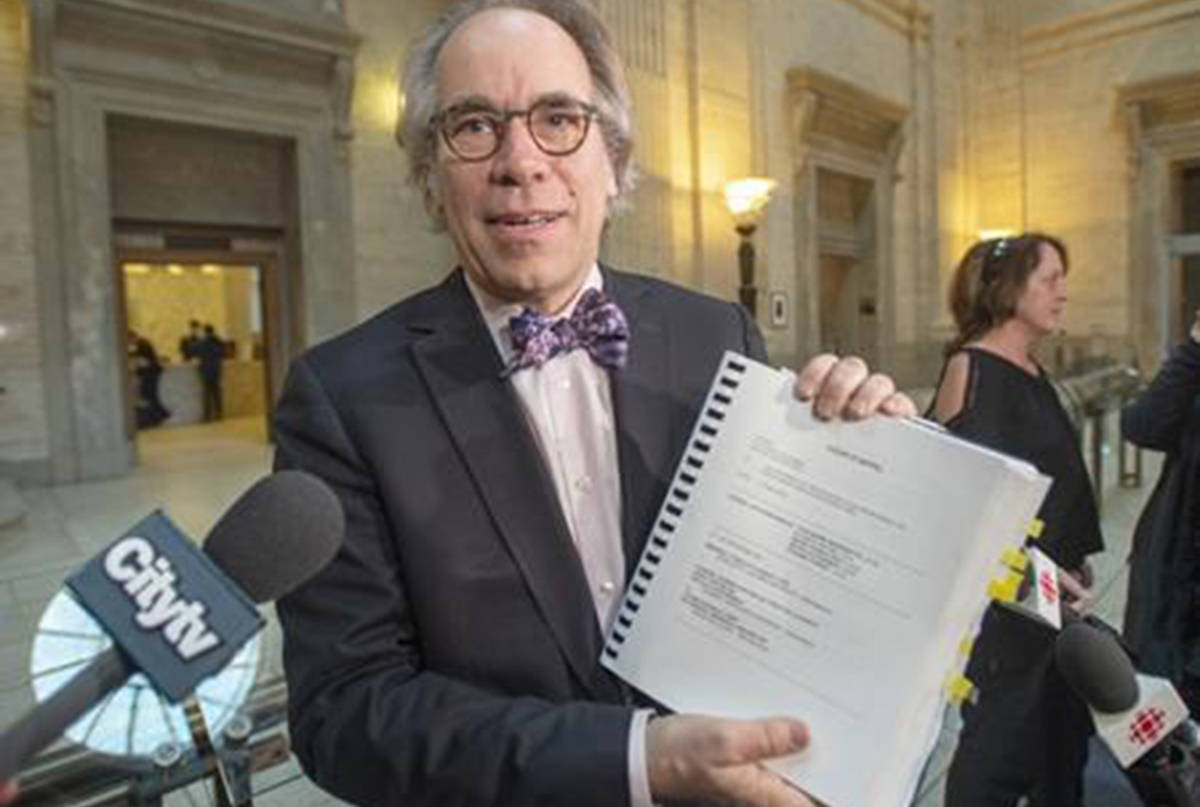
[501, 443]
[1027, 733]
[147, 369]
[1162, 610]
[188, 343]
[209, 353]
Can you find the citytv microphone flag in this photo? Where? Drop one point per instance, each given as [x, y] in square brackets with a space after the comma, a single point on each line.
[166, 605]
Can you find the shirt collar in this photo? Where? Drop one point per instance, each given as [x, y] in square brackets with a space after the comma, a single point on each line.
[497, 312]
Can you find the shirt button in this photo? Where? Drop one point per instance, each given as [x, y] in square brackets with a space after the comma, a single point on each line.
[608, 587]
[583, 484]
[565, 383]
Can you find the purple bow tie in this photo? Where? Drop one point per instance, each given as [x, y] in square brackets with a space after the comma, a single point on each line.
[596, 325]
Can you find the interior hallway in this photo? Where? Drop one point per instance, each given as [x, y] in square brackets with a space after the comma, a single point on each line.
[195, 472]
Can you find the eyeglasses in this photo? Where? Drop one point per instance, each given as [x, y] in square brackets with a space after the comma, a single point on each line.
[558, 127]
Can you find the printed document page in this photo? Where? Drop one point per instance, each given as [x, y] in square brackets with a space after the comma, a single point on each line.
[822, 570]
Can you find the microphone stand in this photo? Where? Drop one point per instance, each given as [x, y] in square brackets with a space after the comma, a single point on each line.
[204, 747]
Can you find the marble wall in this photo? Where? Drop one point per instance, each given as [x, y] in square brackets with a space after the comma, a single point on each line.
[159, 305]
[973, 115]
[23, 428]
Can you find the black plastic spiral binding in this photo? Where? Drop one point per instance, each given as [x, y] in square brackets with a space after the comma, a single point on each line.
[729, 377]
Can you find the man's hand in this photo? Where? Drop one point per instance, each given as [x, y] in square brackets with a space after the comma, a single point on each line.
[9, 792]
[846, 388]
[708, 759]
[1196, 327]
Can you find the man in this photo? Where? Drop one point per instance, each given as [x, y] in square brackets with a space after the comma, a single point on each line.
[1162, 620]
[209, 353]
[497, 491]
[188, 342]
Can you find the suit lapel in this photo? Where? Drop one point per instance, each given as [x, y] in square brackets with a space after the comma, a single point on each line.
[459, 364]
[644, 413]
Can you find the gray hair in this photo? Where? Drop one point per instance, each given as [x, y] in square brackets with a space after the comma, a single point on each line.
[584, 26]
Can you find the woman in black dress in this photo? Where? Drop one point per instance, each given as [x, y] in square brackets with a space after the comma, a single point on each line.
[1026, 734]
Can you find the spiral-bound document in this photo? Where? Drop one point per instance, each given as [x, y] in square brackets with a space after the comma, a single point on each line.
[827, 571]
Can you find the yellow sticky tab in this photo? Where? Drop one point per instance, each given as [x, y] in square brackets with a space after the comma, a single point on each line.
[1015, 559]
[959, 688]
[1035, 528]
[966, 646]
[1005, 588]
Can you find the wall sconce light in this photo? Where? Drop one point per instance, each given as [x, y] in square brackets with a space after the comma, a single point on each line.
[398, 109]
[1003, 232]
[745, 199]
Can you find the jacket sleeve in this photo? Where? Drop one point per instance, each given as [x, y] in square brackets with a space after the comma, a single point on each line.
[752, 338]
[1159, 416]
[369, 723]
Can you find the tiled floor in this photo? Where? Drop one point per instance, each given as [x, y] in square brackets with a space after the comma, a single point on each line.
[194, 473]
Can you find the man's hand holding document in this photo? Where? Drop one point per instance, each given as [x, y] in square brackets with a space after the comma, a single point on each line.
[826, 571]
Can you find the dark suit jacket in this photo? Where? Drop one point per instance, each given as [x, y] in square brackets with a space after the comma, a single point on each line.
[1162, 610]
[450, 653]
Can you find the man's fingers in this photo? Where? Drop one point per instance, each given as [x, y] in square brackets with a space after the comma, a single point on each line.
[869, 396]
[813, 375]
[709, 759]
[755, 786]
[738, 772]
[776, 737]
[845, 387]
[898, 405]
[734, 742]
[840, 383]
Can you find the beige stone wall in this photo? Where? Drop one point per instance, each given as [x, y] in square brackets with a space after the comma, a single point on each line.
[651, 37]
[243, 310]
[689, 67]
[1078, 172]
[1049, 149]
[951, 48]
[22, 408]
[886, 54]
[159, 305]
[396, 251]
[1010, 121]
[178, 173]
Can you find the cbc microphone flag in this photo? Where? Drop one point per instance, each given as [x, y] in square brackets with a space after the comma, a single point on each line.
[1132, 733]
[1046, 594]
[166, 604]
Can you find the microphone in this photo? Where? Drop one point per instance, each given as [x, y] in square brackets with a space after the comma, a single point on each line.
[178, 614]
[1134, 714]
[1096, 667]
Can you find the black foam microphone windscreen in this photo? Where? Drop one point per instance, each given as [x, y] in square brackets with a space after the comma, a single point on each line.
[1094, 664]
[278, 534]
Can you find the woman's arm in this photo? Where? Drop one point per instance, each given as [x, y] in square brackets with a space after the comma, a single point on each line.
[952, 392]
